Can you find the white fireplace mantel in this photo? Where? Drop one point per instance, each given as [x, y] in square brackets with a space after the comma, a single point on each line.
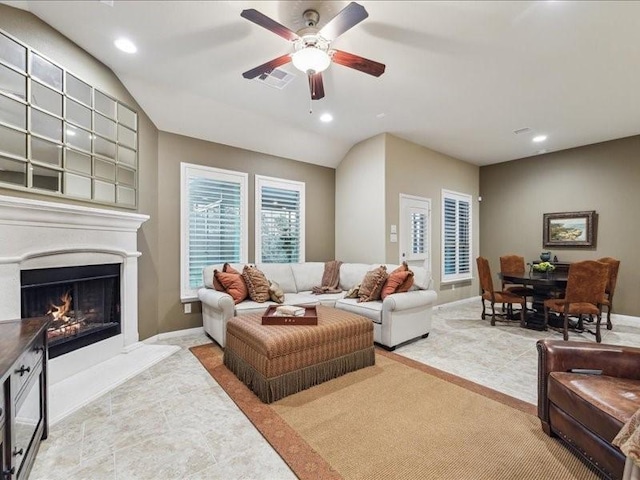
[41, 234]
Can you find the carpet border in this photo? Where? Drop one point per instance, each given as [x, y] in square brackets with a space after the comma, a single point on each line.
[304, 461]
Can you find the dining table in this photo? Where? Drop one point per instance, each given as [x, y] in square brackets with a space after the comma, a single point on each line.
[545, 285]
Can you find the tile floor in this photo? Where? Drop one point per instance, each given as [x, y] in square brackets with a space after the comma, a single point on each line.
[173, 421]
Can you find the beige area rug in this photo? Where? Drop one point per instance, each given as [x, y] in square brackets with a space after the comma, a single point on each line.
[401, 419]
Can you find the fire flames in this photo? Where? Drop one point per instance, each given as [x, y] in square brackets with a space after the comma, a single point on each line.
[63, 321]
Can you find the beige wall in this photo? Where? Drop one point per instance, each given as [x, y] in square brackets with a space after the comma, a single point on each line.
[173, 149]
[41, 37]
[359, 224]
[415, 170]
[603, 177]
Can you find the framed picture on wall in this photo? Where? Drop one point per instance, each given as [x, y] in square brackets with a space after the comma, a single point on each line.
[569, 229]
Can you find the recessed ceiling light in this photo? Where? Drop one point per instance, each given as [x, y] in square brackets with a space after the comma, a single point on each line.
[539, 138]
[125, 45]
[381, 115]
[326, 117]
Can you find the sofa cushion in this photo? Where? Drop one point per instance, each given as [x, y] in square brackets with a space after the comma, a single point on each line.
[280, 273]
[257, 283]
[372, 284]
[351, 274]
[307, 275]
[371, 310]
[601, 403]
[326, 299]
[421, 278]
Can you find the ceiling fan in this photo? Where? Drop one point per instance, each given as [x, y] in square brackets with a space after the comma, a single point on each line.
[312, 46]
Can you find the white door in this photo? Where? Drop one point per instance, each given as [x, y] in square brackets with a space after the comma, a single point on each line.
[415, 230]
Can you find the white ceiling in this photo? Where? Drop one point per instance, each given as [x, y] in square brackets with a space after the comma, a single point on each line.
[460, 77]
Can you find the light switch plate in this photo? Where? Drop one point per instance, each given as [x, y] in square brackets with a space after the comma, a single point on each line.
[187, 308]
[394, 229]
[393, 238]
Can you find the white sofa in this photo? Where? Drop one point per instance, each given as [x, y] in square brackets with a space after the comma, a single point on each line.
[398, 318]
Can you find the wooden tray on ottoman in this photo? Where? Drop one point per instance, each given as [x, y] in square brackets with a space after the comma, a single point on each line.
[310, 317]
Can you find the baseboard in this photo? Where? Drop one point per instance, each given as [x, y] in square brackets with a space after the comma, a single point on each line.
[177, 333]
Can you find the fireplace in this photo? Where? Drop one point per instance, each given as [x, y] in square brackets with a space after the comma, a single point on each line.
[83, 303]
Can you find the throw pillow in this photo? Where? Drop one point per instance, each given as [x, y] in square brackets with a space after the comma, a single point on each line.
[257, 284]
[353, 293]
[216, 283]
[233, 284]
[396, 280]
[276, 293]
[372, 284]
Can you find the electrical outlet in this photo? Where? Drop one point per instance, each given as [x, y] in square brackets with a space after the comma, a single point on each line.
[187, 308]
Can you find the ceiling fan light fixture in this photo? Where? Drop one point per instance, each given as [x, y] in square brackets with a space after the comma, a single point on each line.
[311, 59]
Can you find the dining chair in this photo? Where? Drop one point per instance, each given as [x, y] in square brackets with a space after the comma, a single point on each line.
[614, 266]
[493, 296]
[514, 264]
[585, 292]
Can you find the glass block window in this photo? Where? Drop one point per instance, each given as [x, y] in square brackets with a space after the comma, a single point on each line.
[61, 136]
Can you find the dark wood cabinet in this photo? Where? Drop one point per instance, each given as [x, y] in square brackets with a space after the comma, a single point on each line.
[23, 396]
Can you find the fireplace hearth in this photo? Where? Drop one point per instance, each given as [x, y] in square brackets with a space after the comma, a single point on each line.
[83, 303]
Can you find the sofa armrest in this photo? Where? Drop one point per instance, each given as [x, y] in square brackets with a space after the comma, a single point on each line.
[560, 356]
[217, 300]
[408, 300]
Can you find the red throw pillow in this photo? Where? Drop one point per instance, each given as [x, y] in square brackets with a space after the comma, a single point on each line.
[233, 284]
[396, 280]
[216, 283]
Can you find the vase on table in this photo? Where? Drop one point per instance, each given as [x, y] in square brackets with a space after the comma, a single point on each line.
[545, 256]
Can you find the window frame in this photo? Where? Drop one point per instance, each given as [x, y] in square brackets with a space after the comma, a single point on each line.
[457, 276]
[188, 294]
[284, 184]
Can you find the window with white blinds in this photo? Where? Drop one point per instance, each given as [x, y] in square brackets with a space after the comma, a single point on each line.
[279, 220]
[456, 236]
[213, 223]
[418, 233]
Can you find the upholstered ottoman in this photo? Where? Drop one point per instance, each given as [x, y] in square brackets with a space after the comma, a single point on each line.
[278, 360]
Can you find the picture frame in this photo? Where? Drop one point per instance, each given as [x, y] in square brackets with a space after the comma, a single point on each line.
[569, 229]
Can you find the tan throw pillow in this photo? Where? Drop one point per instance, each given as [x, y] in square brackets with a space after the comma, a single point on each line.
[353, 293]
[233, 284]
[276, 293]
[396, 280]
[257, 284]
[372, 284]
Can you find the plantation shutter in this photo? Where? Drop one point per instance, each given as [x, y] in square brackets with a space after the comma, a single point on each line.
[456, 236]
[213, 222]
[280, 234]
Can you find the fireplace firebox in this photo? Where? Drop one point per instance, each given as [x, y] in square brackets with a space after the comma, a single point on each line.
[83, 303]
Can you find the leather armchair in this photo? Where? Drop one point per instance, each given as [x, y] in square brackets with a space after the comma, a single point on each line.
[586, 409]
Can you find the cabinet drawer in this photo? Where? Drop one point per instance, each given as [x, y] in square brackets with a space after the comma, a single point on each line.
[26, 366]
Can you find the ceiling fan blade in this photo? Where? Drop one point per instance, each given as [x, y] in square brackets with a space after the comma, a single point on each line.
[267, 67]
[316, 86]
[359, 63]
[348, 17]
[261, 19]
